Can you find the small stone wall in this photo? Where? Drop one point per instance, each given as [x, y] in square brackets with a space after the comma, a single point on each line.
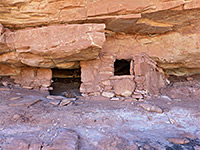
[98, 78]
[34, 78]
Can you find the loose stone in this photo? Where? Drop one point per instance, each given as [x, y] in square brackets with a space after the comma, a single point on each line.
[151, 108]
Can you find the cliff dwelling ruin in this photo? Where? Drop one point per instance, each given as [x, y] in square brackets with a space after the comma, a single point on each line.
[87, 72]
[99, 74]
[138, 53]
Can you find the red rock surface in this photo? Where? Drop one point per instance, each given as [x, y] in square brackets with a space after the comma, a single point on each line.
[23, 13]
[98, 77]
[124, 87]
[60, 34]
[37, 78]
[8, 70]
[53, 46]
[172, 50]
[156, 36]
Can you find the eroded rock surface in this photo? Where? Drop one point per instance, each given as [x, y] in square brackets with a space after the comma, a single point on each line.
[43, 34]
[60, 34]
[64, 139]
[53, 46]
[177, 52]
[23, 13]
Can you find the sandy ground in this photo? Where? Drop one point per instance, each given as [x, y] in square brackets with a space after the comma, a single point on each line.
[29, 121]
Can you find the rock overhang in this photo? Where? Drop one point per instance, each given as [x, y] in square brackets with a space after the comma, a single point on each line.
[60, 34]
[24, 13]
[53, 46]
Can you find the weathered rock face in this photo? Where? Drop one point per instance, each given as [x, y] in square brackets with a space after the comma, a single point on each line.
[23, 13]
[61, 33]
[1, 29]
[9, 70]
[28, 12]
[54, 46]
[174, 23]
[3, 45]
[172, 50]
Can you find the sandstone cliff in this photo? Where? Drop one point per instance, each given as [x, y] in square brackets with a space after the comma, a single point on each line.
[61, 33]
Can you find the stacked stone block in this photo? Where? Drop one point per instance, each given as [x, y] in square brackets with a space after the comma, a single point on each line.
[98, 78]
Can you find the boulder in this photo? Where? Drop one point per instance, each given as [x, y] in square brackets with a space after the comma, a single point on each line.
[151, 108]
[3, 45]
[108, 94]
[58, 46]
[124, 87]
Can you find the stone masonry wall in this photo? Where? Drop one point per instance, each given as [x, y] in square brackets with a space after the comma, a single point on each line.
[37, 78]
[98, 78]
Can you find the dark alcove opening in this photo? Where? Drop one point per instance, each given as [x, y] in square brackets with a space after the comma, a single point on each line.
[122, 67]
[66, 82]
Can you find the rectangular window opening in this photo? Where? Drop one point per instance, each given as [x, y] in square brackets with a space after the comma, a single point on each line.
[122, 67]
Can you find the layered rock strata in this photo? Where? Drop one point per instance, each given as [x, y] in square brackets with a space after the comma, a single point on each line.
[60, 34]
[53, 46]
[23, 13]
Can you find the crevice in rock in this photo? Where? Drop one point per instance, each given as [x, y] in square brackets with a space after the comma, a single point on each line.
[41, 147]
[182, 71]
[70, 7]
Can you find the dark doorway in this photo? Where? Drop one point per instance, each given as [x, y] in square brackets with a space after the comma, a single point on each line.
[66, 82]
[122, 67]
